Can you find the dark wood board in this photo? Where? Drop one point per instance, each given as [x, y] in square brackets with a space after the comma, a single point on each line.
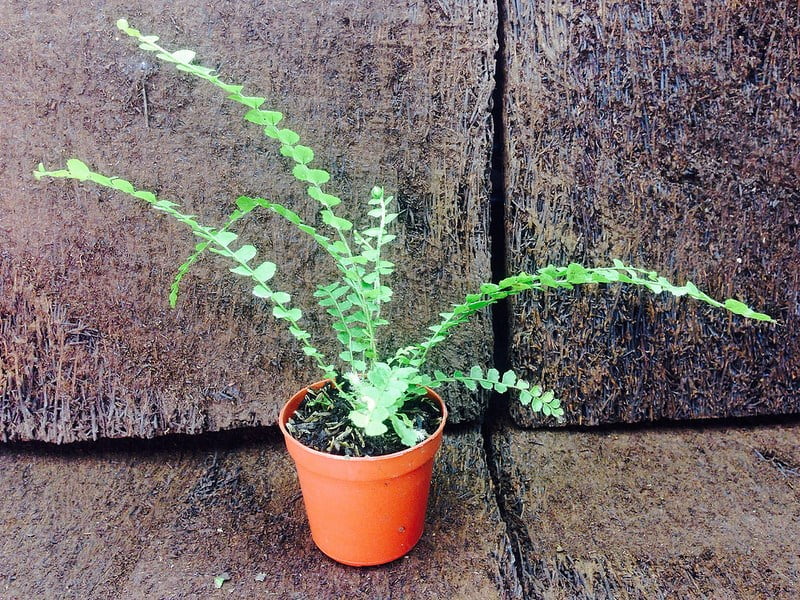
[163, 518]
[666, 135]
[396, 95]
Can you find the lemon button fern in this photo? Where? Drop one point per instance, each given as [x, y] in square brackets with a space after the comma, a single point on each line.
[378, 386]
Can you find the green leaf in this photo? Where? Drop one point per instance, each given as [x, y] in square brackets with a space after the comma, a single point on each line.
[158, 204]
[184, 56]
[327, 200]
[287, 214]
[403, 429]
[291, 314]
[739, 308]
[147, 196]
[379, 375]
[198, 70]
[263, 117]
[245, 253]
[300, 334]
[78, 168]
[336, 222]
[371, 254]
[470, 384]
[318, 176]
[251, 101]
[373, 232]
[265, 271]
[303, 154]
[577, 273]
[261, 291]
[525, 397]
[246, 203]
[339, 247]
[224, 238]
[371, 422]
[476, 372]
[122, 185]
[301, 172]
[288, 137]
[280, 297]
[219, 580]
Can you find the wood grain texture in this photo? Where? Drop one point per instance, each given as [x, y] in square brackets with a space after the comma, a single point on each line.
[395, 94]
[666, 135]
[669, 512]
[163, 518]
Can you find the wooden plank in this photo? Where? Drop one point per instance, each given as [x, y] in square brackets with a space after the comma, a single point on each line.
[666, 135]
[679, 512]
[162, 519]
[394, 94]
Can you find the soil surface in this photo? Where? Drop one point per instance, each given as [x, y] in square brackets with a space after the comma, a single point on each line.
[322, 422]
[710, 512]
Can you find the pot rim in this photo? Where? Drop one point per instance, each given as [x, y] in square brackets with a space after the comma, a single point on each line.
[284, 416]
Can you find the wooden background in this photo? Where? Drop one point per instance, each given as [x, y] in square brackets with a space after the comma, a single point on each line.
[395, 94]
[663, 135]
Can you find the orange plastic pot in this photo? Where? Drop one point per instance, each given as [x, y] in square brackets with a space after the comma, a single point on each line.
[367, 510]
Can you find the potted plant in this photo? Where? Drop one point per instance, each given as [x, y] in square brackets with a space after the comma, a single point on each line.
[364, 437]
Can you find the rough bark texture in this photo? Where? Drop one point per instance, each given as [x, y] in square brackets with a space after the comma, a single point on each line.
[650, 514]
[392, 94]
[163, 519]
[666, 135]
[653, 514]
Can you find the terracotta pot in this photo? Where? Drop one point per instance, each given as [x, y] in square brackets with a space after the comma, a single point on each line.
[364, 511]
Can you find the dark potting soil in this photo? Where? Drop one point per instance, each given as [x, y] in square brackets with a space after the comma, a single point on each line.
[321, 422]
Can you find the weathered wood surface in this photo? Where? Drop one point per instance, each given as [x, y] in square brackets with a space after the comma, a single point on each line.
[666, 135]
[163, 521]
[680, 512]
[394, 94]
